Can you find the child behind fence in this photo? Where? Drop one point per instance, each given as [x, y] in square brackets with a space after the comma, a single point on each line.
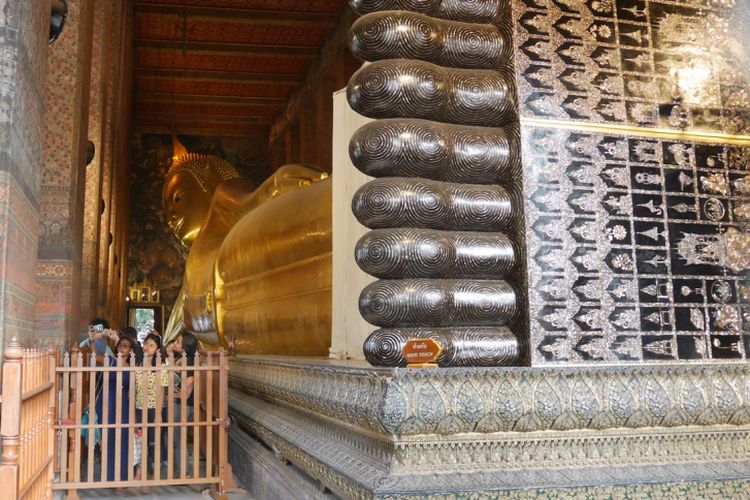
[146, 386]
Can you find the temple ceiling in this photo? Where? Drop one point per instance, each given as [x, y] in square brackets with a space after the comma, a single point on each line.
[223, 67]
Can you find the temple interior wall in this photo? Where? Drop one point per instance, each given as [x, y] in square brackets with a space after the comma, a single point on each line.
[55, 99]
[24, 68]
[63, 176]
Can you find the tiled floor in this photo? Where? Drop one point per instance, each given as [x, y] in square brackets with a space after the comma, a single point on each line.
[181, 492]
[187, 492]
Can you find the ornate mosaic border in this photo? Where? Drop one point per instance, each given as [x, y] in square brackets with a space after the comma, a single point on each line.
[638, 248]
[357, 463]
[463, 400]
[645, 63]
[680, 489]
[636, 245]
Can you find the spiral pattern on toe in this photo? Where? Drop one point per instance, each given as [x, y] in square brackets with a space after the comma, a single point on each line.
[476, 98]
[477, 11]
[428, 302]
[363, 7]
[408, 35]
[473, 46]
[480, 207]
[390, 203]
[473, 11]
[444, 149]
[426, 253]
[483, 255]
[406, 202]
[385, 347]
[415, 89]
[395, 88]
[469, 346]
[421, 148]
[482, 153]
[482, 347]
[397, 35]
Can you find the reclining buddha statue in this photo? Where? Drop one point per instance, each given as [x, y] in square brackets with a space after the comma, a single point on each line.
[258, 272]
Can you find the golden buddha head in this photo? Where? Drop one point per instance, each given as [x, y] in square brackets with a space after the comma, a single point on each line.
[189, 186]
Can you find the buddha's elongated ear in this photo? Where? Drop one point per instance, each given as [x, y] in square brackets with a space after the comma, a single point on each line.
[212, 177]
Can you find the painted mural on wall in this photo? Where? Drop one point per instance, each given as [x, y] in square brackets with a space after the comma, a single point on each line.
[155, 254]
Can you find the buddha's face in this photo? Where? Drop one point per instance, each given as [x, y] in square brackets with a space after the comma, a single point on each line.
[187, 206]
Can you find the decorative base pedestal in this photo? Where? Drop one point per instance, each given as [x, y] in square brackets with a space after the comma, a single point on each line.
[537, 432]
[267, 476]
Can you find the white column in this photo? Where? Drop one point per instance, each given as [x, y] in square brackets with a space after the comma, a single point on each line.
[349, 329]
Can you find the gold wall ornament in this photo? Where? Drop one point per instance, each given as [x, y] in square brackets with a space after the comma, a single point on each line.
[697, 136]
[143, 292]
[178, 149]
[259, 266]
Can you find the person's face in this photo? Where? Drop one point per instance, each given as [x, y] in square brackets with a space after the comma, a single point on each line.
[177, 349]
[150, 347]
[124, 348]
[187, 207]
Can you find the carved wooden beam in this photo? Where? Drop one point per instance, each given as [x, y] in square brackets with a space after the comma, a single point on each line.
[286, 51]
[330, 50]
[207, 99]
[219, 76]
[178, 117]
[240, 15]
[198, 130]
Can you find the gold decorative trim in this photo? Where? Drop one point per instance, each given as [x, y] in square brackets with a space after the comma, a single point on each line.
[655, 133]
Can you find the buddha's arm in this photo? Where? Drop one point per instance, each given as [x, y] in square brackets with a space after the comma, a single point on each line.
[176, 323]
[235, 197]
[288, 178]
[231, 200]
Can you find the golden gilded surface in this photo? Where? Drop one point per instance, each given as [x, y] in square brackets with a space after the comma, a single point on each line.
[259, 268]
[697, 136]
